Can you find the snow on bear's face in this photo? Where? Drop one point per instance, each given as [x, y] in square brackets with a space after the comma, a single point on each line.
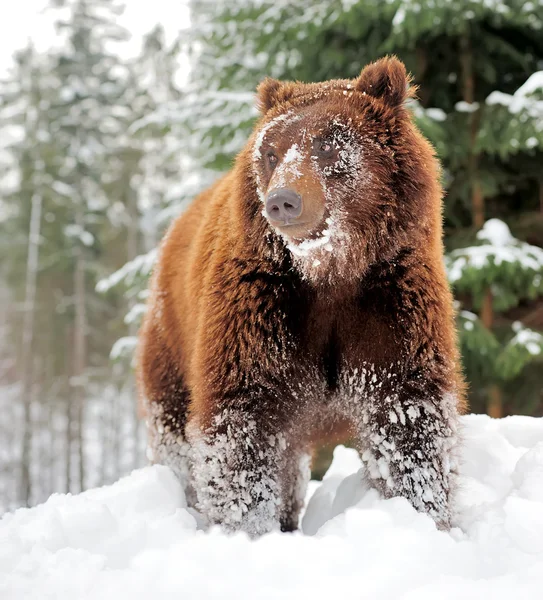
[308, 172]
[325, 168]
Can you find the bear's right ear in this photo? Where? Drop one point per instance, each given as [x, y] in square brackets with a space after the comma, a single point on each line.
[386, 79]
[271, 92]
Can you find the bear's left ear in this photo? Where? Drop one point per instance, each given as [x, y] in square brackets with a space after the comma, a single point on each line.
[386, 79]
[271, 92]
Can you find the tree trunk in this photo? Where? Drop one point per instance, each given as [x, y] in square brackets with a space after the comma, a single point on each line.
[478, 203]
[468, 94]
[25, 484]
[51, 450]
[49, 434]
[422, 67]
[80, 346]
[69, 412]
[494, 405]
[9, 422]
[132, 246]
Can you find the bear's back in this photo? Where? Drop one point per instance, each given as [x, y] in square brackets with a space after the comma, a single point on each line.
[191, 247]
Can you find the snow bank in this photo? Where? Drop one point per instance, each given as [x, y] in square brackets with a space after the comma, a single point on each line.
[135, 539]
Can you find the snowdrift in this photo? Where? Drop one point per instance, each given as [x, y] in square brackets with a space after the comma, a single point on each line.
[136, 539]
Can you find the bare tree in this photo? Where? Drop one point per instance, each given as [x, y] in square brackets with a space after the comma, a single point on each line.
[25, 486]
[80, 344]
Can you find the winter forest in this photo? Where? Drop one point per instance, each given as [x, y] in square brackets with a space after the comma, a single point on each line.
[100, 150]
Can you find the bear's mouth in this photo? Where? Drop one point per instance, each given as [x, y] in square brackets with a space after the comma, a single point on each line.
[303, 237]
[308, 245]
[295, 231]
[313, 240]
[292, 228]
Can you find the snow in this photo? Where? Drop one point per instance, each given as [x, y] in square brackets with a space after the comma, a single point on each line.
[436, 114]
[77, 232]
[141, 265]
[136, 537]
[124, 346]
[498, 247]
[526, 98]
[288, 172]
[531, 340]
[304, 247]
[496, 232]
[135, 314]
[399, 17]
[235, 496]
[534, 83]
[466, 107]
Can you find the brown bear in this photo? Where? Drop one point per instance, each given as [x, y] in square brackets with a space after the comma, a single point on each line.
[304, 295]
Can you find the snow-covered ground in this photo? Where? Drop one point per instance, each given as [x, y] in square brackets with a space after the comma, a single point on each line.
[135, 539]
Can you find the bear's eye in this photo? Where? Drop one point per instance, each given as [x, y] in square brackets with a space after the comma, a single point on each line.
[272, 159]
[323, 148]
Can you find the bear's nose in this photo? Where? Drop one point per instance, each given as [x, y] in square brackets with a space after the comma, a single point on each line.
[283, 205]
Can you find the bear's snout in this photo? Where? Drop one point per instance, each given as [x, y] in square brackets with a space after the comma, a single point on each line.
[283, 206]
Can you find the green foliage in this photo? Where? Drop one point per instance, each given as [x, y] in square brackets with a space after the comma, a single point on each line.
[525, 347]
[501, 356]
[480, 348]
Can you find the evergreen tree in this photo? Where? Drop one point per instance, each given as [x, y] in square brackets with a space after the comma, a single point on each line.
[511, 270]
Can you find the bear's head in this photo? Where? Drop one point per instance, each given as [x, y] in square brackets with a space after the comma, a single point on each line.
[342, 174]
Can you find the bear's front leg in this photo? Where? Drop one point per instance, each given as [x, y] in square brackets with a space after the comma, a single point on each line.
[296, 473]
[236, 464]
[408, 441]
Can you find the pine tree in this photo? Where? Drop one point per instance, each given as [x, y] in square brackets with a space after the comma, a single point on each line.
[511, 270]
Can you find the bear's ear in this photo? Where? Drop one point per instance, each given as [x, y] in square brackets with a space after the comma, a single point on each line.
[271, 92]
[386, 79]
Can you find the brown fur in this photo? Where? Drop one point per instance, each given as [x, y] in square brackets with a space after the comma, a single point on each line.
[239, 332]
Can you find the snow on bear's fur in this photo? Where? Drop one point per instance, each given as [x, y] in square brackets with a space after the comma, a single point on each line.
[303, 299]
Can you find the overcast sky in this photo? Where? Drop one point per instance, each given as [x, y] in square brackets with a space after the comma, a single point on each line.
[24, 19]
